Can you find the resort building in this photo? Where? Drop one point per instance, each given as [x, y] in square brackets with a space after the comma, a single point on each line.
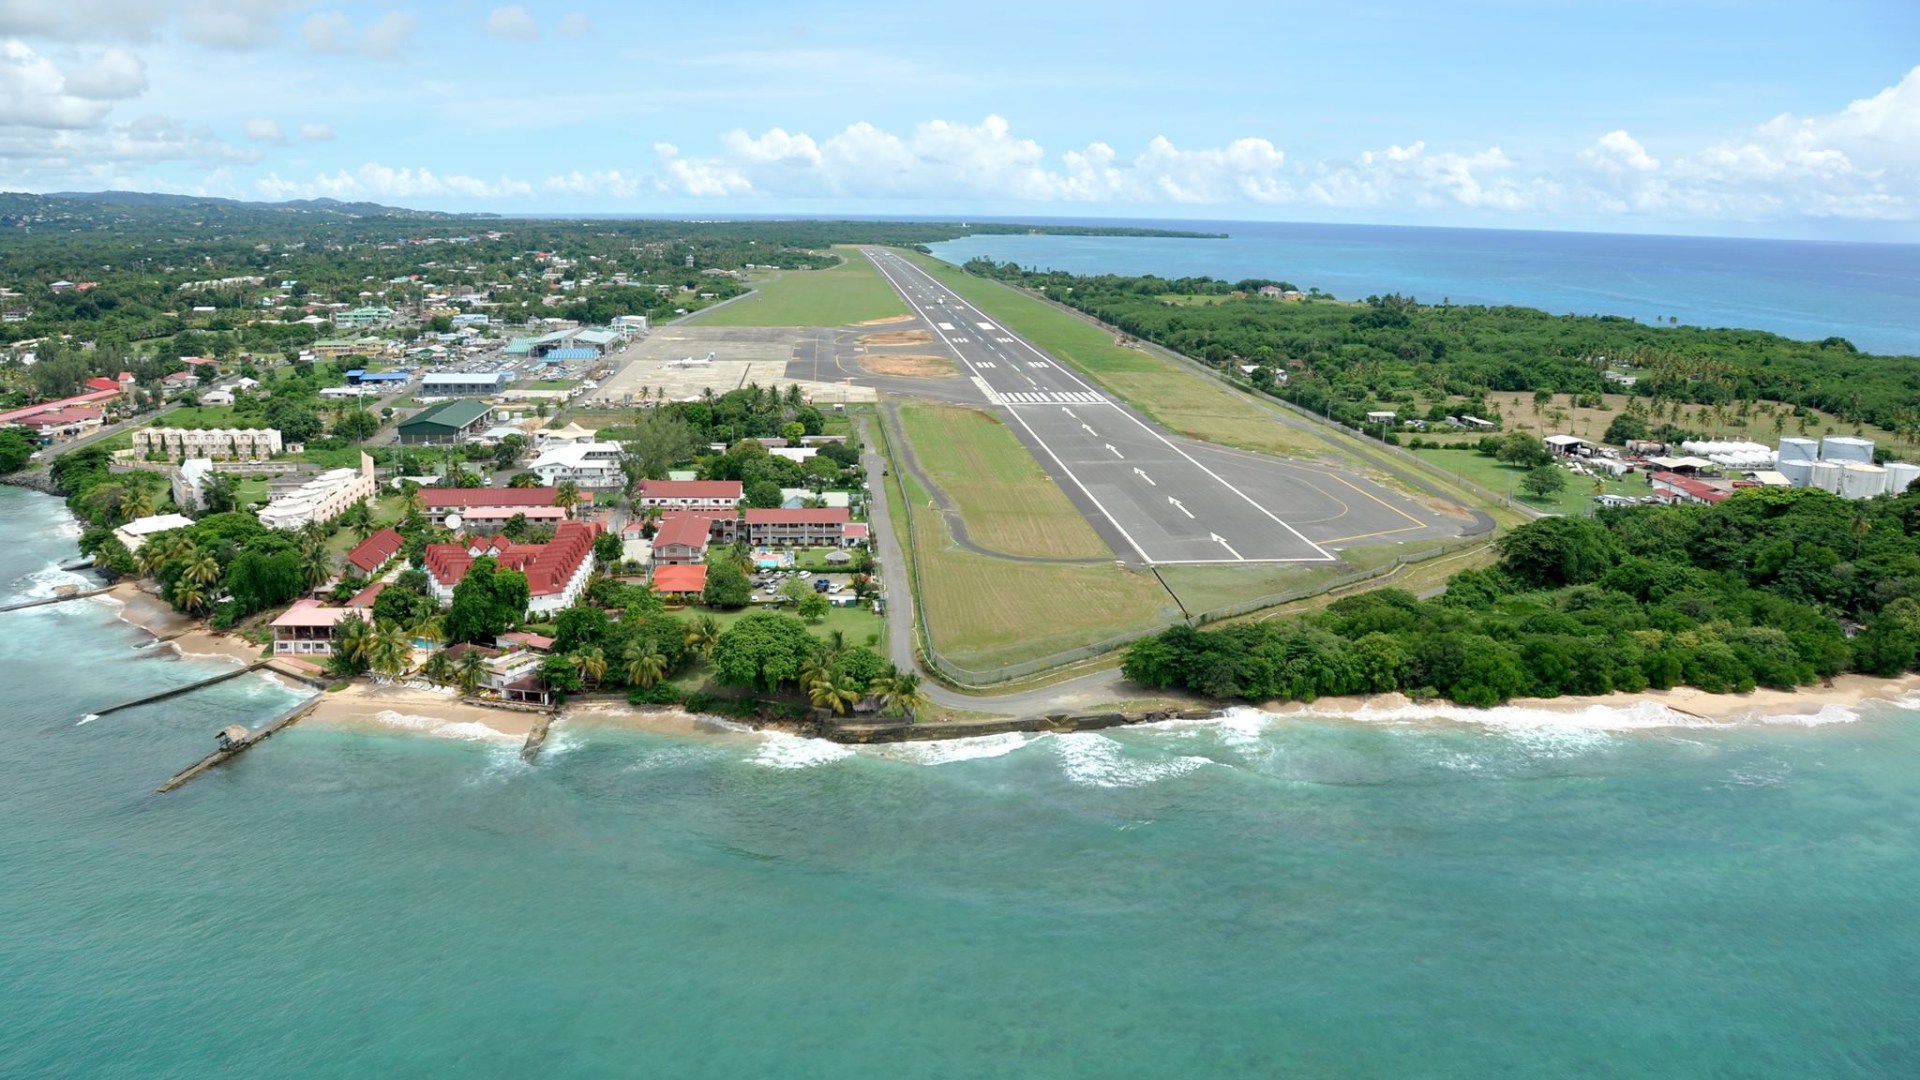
[134, 533]
[306, 628]
[691, 494]
[681, 540]
[447, 422]
[556, 571]
[218, 444]
[822, 527]
[322, 498]
[372, 555]
[65, 423]
[594, 465]
[680, 582]
[476, 505]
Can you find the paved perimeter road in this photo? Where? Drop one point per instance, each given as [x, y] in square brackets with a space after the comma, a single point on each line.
[1153, 500]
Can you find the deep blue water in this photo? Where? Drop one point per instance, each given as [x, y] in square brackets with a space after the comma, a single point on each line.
[1867, 293]
[1522, 895]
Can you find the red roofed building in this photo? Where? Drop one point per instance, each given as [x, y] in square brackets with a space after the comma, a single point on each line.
[682, 540]
[102, 383]
[375, 551]
[439, 502]
[556, 571]
[1685, 489]
[306, 628]
[680, 581]
[92, 397]
[814, 527]
[68, 421]
[363, 600]
[691, 494]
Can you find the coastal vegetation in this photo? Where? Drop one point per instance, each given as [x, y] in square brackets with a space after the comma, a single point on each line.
[1773, 587]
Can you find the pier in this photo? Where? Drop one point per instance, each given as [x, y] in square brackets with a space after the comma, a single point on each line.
[537, 737]
[236, 740]
[187, 689]
[43, 601]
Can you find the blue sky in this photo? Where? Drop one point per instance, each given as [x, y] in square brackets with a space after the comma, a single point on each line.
[1724, 117]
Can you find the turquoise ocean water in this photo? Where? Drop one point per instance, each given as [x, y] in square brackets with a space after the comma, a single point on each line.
[1523, 896]
[1867, 293]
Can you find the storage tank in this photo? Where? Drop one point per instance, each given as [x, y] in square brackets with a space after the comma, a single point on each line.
[1846, 448]
[1859, 481]
[1799, 450]
[1826, 476]
[1899, 475]
[1799, 473]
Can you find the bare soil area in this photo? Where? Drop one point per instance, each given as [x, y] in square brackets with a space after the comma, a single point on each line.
[898, 337]
[908, 365]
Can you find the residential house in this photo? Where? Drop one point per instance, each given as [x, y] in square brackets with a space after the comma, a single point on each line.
[691, 494]
[222, 444]
[681, 540]
[822, 527]
[372, 555]
[307, 628]
[557, 571]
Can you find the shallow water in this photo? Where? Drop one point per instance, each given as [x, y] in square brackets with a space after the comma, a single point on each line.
[1510, 894]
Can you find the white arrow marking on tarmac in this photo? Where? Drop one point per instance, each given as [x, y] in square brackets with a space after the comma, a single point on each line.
[1068, 411]
[1116, 453]
[1178, 505]
[1222, 541]
[1091, 432]
[1149, 480]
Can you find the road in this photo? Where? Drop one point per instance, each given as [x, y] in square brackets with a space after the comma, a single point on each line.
[1153, 499]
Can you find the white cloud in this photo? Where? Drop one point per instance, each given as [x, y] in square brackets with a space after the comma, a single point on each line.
[113, 76]
[702, 180]
[1618, 152]
[111, 155]
[377, 181]
[513, 23]
[234, 24]
[316, 133]
[220, 24]
[574, 25]
[616, 183]
[267, 131]
[33, 93]
[333, 32]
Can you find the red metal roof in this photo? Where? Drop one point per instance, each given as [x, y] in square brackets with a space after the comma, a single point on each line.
[455, 498]
[679, 579]
[102, 383]
[373, 552]
[308, 612]
[691, 489]
[365, 597]
[94, 397]
[691, 530]
[548, 566]
[536, 642]
[821, 515]
[1696, 488]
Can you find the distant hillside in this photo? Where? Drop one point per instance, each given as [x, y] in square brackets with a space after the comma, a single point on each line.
[106, 209]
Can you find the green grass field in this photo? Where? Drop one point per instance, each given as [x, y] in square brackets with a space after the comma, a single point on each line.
[1184, 402]
[553, 384]
[201, 417]
[1499, 477]
[1007, 501]
[853, 292]
[856, 623]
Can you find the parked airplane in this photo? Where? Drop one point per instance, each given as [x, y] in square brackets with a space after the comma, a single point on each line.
[688, 361]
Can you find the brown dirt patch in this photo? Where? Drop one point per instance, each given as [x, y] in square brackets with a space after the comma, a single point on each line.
[908, 365]
[888, 321]
[899, 337]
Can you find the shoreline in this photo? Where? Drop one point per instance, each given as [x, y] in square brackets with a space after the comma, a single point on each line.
[187, 636]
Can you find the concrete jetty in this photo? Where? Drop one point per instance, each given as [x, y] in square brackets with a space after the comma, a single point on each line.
[179, 690]
[234, 741]
[43, 601]
[537, 737]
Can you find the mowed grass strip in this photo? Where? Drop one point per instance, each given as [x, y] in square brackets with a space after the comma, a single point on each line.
[985, 613]
[853, 292]
[1008, 502]
[1183, 401]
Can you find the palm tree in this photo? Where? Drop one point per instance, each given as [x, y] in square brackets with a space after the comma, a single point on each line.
[702, 633]
[438, 668]
[351, 637]
[646, 665]
[360, 519]
[899, 692]
[202, 569]
[471, 671]
[138, 503]
[413, 501]
[189, 596]
[835, 694]
[566, 496]
[429, 630]
[316, 565]
[817, 668]
[591, 663]
[388, 650]
[314, 532]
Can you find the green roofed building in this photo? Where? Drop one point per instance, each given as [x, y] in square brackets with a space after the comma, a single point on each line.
[447, 422]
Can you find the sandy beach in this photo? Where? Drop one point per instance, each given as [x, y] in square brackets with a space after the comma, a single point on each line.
[367, 707]
[1847, 693]
[186, 635]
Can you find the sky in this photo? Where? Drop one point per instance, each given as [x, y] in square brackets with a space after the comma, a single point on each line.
[1715, 117]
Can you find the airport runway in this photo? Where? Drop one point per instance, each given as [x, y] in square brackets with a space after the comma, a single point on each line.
[1158, 498]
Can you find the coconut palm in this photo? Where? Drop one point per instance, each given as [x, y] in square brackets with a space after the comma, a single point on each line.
[428, 629]
[471, 671]
[591, 662]
[899, 692]
[137, 503]
[835, 693]
[351, 638]
[566, 495]
[413, 501]
[388, 650]
[189, 597]
[203, 568]
[314, 532]
[316, 565]
[438, 668]
[817, 668]
[646, 665]
[702, 633]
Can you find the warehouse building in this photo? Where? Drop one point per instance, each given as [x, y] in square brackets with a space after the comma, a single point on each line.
[447, 422]
[465, 383]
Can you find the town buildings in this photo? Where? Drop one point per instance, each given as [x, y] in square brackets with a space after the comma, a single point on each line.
[322, 498]
[465, 383]
[306, 629]
[592, 465]
[218, 444]
[447, 422]
[372, 555]
[691, 494]
[822, 527]
[682, 540]
[483, 508]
